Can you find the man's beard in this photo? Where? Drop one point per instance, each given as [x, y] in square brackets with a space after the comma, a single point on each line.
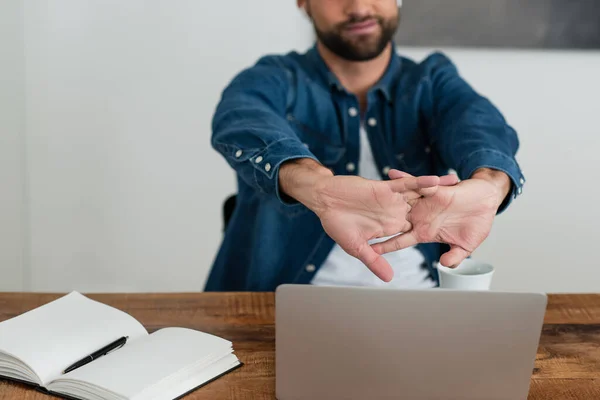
[362, 48]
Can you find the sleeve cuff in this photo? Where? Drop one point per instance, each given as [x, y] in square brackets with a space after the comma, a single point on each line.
[488, 158]
[267, 162]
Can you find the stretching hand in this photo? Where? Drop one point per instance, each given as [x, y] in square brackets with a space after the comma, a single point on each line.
[460, 216]
[354, 210]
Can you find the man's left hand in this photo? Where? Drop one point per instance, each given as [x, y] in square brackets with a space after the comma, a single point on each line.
[460, 216]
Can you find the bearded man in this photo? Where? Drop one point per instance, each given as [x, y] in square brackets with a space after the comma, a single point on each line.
[342, 156]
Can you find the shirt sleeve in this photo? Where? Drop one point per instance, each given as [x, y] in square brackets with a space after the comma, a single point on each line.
[466, 129]
[250, 130]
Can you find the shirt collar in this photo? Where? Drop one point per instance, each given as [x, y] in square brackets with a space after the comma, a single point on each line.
[384, 84]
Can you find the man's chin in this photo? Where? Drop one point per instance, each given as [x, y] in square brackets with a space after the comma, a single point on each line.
[364, 44]
[365, 53]
[355, 47]
[365, 41]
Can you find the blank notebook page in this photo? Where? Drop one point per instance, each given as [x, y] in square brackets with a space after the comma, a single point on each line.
[57, 334]
[144, 363]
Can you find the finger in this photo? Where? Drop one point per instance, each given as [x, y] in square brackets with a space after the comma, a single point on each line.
[425, 192]
[413, 195]
[397, 174]
[399, 242]
[412, 183]
[445, 180]
[428, 192]
[449, 180]
[376, 263]
[454, 257]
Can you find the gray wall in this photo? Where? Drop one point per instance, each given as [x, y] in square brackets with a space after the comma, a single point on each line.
[12, 120]
[572, 24]
[124, 190]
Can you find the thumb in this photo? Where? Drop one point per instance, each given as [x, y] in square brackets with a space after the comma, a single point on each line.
[375, 262]
[454, 257]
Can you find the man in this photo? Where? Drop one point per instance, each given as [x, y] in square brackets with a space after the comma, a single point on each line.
[316, 137]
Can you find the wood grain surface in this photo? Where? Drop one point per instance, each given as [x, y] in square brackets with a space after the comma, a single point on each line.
[567, 365]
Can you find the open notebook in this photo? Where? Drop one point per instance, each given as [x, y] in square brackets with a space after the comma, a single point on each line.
[37, 346]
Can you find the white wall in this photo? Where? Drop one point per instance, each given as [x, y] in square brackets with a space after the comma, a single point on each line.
[12, 120]
[546, 240]
[125, 191]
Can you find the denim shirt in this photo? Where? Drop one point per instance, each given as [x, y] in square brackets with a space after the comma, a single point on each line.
[422, 118]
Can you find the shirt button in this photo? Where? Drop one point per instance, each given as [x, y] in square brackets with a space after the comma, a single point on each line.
[427, 149]
[267, 167]
[350, 167]
[520, 190]
[238, 154]
[372, 122]
[522, 181]
[310, 268]
[353, 112]
[385, 170]
[258, 159]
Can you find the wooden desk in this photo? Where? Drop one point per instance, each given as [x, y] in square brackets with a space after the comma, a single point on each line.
[567, 366]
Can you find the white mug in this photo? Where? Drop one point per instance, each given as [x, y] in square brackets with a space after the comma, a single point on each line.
[469, 275]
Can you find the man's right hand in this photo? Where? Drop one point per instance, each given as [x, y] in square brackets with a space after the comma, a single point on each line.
[354, 210]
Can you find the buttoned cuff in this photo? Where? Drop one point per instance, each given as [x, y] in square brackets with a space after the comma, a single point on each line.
[493, 159]
[265, 164]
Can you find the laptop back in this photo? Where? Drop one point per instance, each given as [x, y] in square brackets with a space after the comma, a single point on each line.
[364, 343]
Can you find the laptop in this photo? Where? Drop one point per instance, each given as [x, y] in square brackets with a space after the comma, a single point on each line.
[436, 344]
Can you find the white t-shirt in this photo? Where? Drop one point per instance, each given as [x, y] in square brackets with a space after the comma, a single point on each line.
[341, 269]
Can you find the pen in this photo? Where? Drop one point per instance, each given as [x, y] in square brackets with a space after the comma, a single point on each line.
[97, 354]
